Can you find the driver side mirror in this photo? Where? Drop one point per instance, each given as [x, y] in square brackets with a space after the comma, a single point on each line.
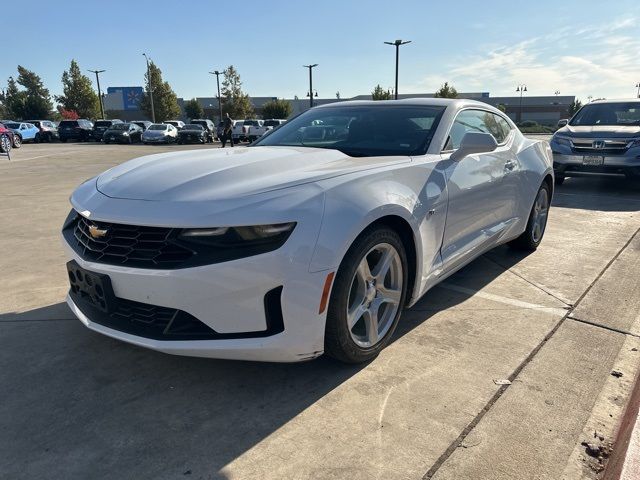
[474, 142]
[563, 122]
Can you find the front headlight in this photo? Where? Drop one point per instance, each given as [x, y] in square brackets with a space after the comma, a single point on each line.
[125, 134]
[222, 244]
[561, 140]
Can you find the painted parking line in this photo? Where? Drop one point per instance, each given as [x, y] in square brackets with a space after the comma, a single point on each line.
[505, 300]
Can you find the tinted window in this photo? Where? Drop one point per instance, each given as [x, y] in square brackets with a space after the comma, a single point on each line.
[477, 121]
[68, 123]
[622, 113]
[193, 127]
[251, 122]
[120, 126]
[361, 131]
[271, 123]
[12, 125]
[103, 123]
[158, 127]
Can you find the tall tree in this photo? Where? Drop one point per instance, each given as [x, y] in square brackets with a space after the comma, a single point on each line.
[165, 101]
[13, 100]
[78, 94]
[446, 91]
[276, 109]
[380, 94]
[574, 107]
[234, 101]
[37, 100]
[193, 109]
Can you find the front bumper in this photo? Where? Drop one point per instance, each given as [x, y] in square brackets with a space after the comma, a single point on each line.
[230, 298]
[165, 139]
[572, 164]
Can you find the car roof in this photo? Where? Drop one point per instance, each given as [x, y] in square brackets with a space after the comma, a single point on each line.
[616, 100]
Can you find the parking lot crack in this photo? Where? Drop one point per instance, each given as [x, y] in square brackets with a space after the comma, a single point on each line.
[604, 327]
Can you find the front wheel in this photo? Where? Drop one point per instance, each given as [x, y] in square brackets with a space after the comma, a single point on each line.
[367, 297]
[537, 222]
[17, 141]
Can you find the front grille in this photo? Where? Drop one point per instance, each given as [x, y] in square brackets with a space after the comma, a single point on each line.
[606, 147]
[127, 245]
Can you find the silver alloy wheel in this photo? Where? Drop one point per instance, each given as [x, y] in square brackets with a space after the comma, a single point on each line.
[540, 212]
[17, 141]
[374, 295]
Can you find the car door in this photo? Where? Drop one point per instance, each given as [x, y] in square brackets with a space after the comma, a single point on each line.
[481, 198]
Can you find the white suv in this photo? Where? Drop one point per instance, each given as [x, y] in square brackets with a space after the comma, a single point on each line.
[255, 132]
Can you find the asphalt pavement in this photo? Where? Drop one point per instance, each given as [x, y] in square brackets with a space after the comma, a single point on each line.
[501, 372]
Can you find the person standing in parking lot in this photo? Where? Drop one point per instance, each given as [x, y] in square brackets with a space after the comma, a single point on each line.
[228, 129]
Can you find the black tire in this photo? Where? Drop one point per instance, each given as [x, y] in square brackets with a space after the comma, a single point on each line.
[17, 141]
[559, 179]
[528, 241]
[37, 138]
[338, 342]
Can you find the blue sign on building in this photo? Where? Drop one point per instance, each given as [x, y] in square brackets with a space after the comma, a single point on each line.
[131, 96]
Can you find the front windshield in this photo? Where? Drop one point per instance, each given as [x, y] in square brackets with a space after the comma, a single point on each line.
[157, 127]
[102, 124]
[192, 126]
[361, 130]
[623, 113]
[120, 126]
[271, 123]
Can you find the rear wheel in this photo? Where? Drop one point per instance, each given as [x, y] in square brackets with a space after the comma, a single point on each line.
[537, 223]
[367, 297]
[17, 141]
[559, 179]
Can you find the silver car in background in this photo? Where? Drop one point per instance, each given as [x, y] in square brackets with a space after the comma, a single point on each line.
[602, 138]
[160, 133]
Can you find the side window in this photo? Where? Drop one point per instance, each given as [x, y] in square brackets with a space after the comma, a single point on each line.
[477, 121]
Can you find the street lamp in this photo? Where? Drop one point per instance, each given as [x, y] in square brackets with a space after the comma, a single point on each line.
[97, 72]
[556, 93]
[153, 110]
[217, 74]
[310, 67]
[521, 88]
[397, 44]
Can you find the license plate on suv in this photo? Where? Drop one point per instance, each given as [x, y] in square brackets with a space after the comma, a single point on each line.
[592, 160]
[90, 287]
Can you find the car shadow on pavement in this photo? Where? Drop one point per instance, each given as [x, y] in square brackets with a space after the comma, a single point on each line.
[78, 404]
[607, 194]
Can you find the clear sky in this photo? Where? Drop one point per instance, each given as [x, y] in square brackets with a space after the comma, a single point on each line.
[581, 47]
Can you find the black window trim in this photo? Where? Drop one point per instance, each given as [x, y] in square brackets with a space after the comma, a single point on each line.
[506, 140]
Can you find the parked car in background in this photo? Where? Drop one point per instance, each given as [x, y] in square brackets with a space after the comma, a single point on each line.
[192, 133]
[123, 133]
[26, 131]
[101, 126]
[143, 124]
[13, 138]
[160, 133]
[208, 125]
[47, 130]
[247, 125]
[237, 132]
[602, 138]
[256, 131]
[179, 124]
[80, 129]
[219, 130]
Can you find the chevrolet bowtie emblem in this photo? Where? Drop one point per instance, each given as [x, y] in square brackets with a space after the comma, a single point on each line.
[96, 232]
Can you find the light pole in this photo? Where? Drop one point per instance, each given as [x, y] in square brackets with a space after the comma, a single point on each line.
[589, 98]
[397, 44]
[638, 87]
[521, 88]
[98, 72]
[556, 93]
[310, 67]
[153, 110]
[217, 74]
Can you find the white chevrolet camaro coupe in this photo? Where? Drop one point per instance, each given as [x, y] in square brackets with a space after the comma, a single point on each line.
[310, 241]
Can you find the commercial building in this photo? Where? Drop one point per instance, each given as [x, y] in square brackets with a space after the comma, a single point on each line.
[123, 103]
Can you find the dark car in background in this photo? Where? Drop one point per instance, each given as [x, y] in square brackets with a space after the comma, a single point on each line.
[101, 126]
[48, 131]
[12, 136]
[80, 129]
[602, 138]
[193, 133]
[208, 125]
[143, 124]
[123, 133]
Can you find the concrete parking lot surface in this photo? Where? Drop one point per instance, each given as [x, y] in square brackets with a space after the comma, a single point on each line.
[501, 372]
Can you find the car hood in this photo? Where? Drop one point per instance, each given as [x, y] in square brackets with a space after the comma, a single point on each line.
[601, 131]
[218, 174]
[155, 133]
